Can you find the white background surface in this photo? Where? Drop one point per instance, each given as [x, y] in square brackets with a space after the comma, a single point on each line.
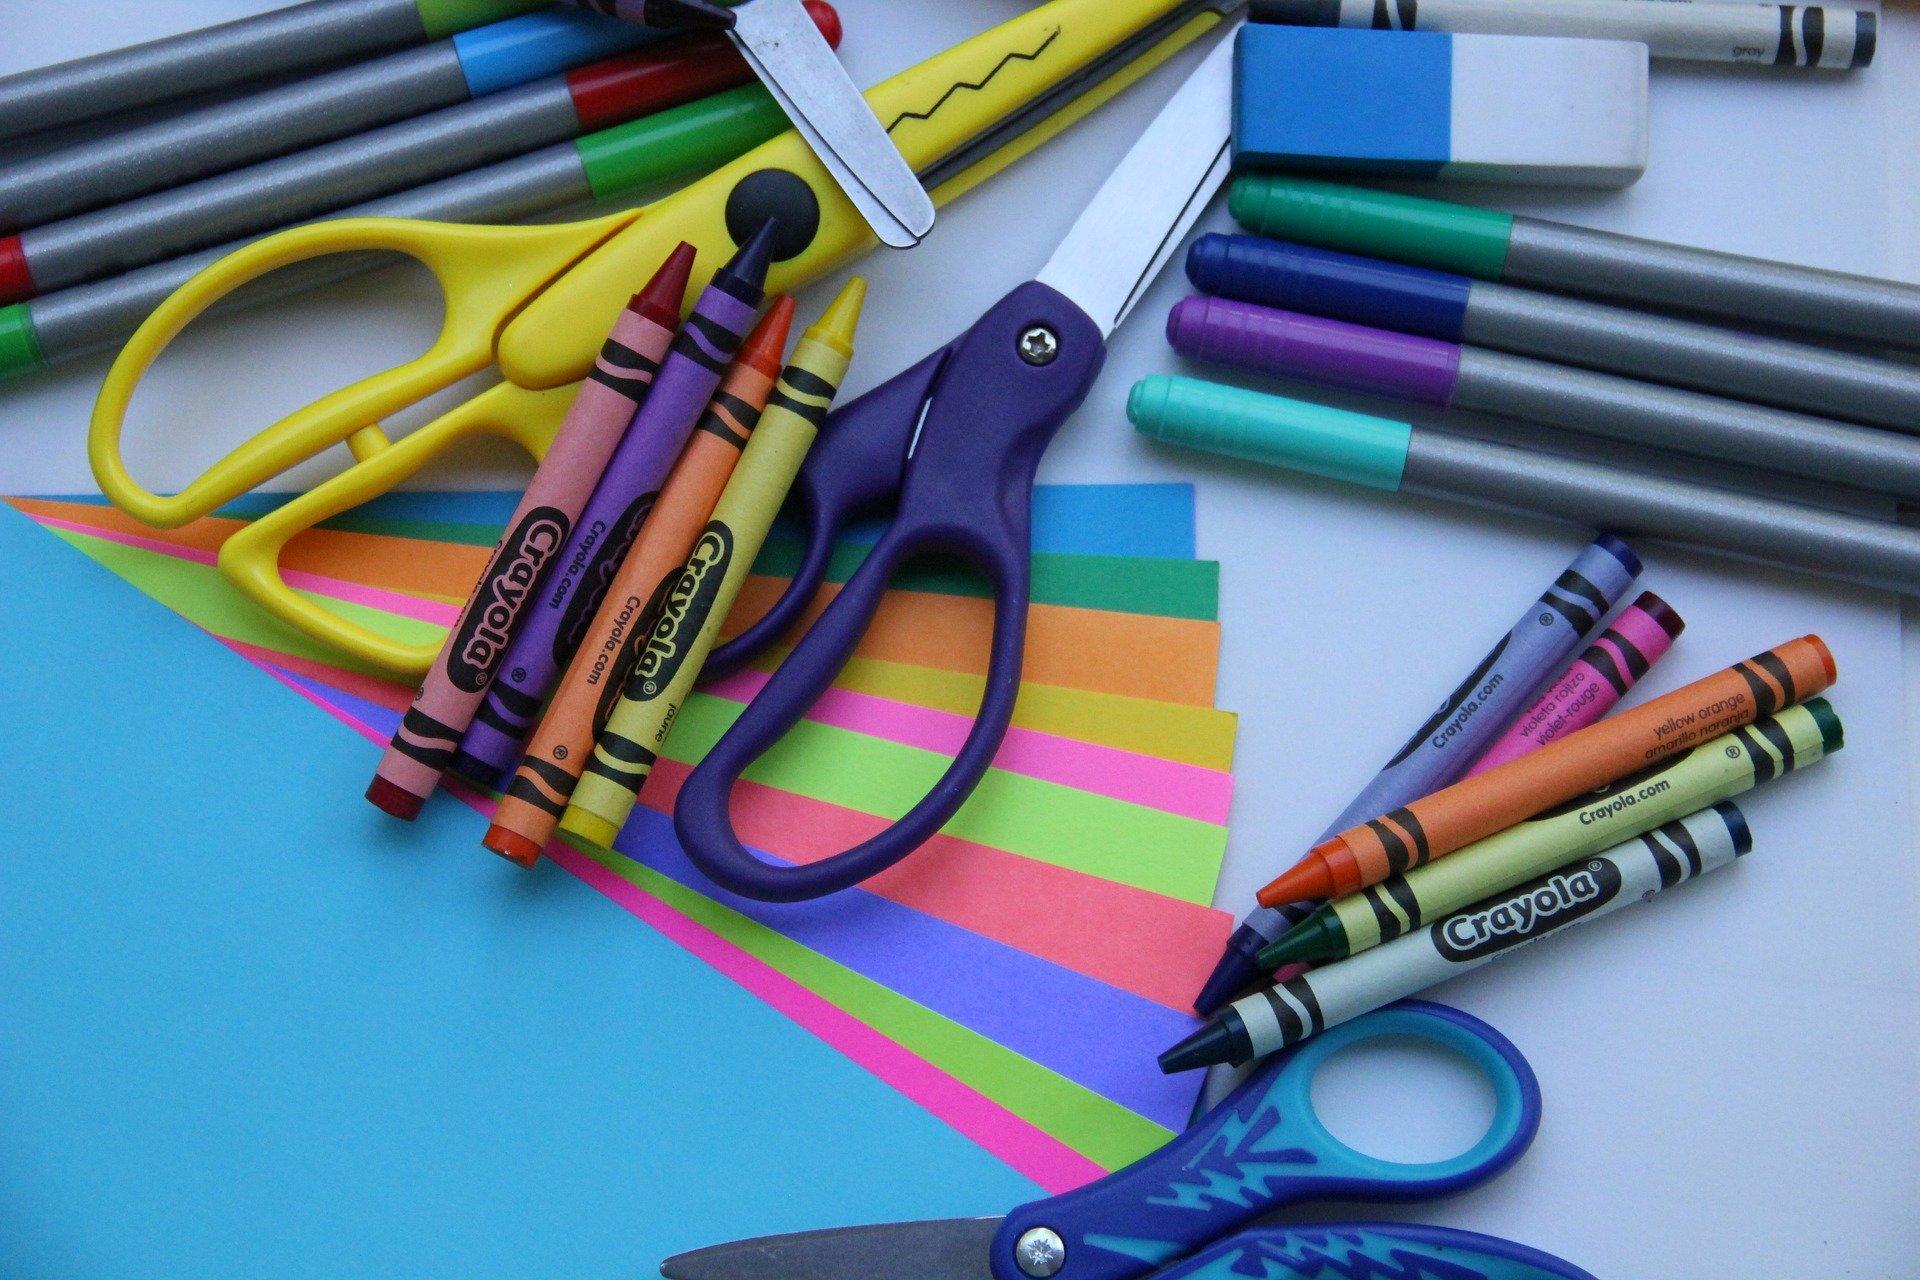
[1730, 1075]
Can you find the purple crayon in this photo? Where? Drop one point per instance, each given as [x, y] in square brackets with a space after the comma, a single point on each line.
[555, 622]
[1477, 711]
[1639, 637]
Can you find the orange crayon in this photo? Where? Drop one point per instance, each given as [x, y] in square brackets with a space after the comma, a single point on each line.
[1597, 756]
[563, 742]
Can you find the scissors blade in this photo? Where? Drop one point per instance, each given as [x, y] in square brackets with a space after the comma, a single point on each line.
[944, 1249]
[1161, 187]
[798, 67]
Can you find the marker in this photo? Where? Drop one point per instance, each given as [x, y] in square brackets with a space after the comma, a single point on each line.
[1557, 257]
[563, 742]
[1598, 755]
[423, 745]
[274, 193]
[1713, 771]
[558, 618]
[1473, 715]
[1289, 1012]
[1636, 639]
[287, 118]
[1383, 454]
[1776, 35]
[279, 42]
[1444, 374]
[670, 146]
[688, 623]
[1571, 331]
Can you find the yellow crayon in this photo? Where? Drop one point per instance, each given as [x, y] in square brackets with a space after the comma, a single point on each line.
[693, 610]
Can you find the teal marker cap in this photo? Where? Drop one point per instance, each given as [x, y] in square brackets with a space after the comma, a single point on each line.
[1261, 428]
[1378, 224]
[19, 347]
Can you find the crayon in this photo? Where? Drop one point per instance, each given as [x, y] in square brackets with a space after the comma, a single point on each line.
[1713, 771]
[1289, 1012]
[695, 605]
[563, 742]
[1636, 639]
[1450, 376]
[1558, 257]
[1473, 715]
[423, 745]
[1594, 335]
[558, 618]
[1777, 35]
[287, 189]
[287, 118]
[276, 43]
[1398, 456]
[1596, 756]
[671, 146]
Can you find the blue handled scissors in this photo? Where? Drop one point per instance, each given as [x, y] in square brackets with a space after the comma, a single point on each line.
[1180, 1213]
[949, 449]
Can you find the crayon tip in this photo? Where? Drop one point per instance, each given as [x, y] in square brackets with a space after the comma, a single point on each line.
[751, 260]
[1307, 879]
[766, 347]
[1311, 939]
[661, 298]
[837, 324]
[1661, 612]
[511, 845]
[397, 801]
[1212, 1045]
[1237, 970]
[590, 827]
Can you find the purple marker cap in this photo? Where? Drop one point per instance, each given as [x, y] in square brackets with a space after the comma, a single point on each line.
[1330, 352]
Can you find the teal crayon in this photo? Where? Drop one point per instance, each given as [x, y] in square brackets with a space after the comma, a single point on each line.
[1291, 1011]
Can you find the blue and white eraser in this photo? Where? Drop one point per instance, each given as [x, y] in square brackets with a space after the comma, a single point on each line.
[1541, 109]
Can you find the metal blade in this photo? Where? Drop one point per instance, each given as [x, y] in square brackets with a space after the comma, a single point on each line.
[946, 1249]
[798, 67]
[1160, 189]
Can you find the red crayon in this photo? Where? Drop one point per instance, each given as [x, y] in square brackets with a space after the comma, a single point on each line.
[424, 744]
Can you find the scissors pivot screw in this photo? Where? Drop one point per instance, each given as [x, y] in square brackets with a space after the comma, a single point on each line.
[1039, 345]
[1040, 1251]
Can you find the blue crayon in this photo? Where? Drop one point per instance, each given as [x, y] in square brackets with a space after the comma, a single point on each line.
[1499, 688]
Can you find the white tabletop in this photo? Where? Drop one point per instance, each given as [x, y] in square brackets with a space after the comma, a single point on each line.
[1730, 1074]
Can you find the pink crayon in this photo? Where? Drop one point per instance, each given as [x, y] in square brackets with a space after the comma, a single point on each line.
[424, 744]
[1597, 680]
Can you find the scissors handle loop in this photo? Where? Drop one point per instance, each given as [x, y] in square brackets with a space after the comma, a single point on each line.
[1325, 1250]
[1264, 1147]
[485, 273]
[251, 557]
[986, 415]
[856, 469]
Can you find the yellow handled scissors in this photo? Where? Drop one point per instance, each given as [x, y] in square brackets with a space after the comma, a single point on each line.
[537, 301]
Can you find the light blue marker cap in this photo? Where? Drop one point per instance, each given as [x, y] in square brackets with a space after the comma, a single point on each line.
[1354, 447]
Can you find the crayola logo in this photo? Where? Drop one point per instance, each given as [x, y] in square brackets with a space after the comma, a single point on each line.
[488, 625]
[1537, 907]
[683, 611]
[596, 577]
[1459, 707]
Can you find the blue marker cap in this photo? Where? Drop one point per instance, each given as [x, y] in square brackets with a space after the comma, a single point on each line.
[1339, 286]
[503, 55]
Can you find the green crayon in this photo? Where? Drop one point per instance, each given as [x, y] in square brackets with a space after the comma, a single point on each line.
[1713, 771]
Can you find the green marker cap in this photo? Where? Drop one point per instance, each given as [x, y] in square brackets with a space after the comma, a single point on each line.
[673, 144]
[1262, 428]
[19, 348]
[442, 18]
[1378, 224]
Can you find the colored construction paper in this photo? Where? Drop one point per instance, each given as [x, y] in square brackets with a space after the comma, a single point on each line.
[250, 1031]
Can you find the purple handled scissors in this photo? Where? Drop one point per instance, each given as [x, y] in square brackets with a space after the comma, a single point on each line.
[949, 449]
[1183, 1212]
